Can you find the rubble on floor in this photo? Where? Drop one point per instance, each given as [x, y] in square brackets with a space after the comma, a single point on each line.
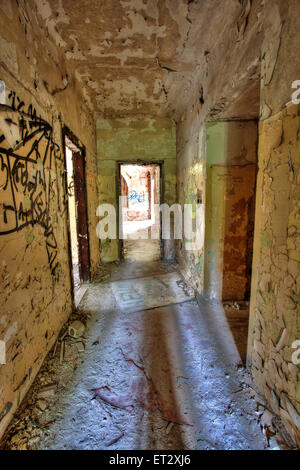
[40, 407]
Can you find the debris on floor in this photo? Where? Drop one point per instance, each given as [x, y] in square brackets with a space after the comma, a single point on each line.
[188, 290]
[116, 439]
[40, 408]
[76, 329]
[163, 381]
[104, 278]
[122, 402]
[102, 274]
[48, 391]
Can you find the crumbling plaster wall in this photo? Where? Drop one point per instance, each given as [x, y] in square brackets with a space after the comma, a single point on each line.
[227, 89]
[275, 309]
[39, 98]
[267, 52]
[138, 139]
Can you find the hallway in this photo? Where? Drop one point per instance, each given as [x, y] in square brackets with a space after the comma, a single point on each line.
[168, 377]
[140, 188]
[149, 224]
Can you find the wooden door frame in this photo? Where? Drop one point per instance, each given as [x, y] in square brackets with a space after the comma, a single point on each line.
[67, 133]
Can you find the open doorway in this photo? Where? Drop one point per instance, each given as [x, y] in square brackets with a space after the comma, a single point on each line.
[77, 212]
[230, 212]
[139, 217]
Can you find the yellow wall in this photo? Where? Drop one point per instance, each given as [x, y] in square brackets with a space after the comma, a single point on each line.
[35, 290]
[275, 300]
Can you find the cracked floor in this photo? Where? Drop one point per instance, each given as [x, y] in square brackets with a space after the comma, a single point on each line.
[168, 377]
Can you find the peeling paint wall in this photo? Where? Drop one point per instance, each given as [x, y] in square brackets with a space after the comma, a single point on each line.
[37, 99]
[275, 307]
[230, 95]
[258, 58]
[139, 139]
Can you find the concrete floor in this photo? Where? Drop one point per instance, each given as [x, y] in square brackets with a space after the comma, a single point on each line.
[163, 378]
[142, 250]
[139, 246]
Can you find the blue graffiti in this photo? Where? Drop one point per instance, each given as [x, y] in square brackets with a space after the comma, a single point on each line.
[134, 196]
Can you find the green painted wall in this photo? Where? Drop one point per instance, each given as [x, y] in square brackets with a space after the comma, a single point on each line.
[145, 139]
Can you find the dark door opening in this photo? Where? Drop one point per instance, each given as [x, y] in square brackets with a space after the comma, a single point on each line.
[77, 212]
[140, 217]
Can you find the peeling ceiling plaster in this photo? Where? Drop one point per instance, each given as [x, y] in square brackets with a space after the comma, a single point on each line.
[139, 56]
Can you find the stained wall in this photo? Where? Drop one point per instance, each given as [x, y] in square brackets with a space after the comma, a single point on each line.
[265, 55]
[38, 98]
[274, 311]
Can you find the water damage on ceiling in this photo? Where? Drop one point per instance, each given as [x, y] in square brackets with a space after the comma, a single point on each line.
[139, 56]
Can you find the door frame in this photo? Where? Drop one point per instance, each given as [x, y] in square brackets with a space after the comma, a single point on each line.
[139, 162]
[67, 133]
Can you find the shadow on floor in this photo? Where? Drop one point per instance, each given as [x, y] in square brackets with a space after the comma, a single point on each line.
[164, 378]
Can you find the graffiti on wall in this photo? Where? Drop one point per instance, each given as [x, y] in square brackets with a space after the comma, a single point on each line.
[31, 174]
[136, 197]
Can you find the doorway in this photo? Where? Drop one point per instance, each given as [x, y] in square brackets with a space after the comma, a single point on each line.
[77, 211]
[140, 229]
[230, 213]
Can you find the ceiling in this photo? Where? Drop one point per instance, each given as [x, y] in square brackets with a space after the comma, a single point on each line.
[137, 56]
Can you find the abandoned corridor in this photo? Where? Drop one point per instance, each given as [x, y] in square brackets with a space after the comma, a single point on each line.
[188, 105]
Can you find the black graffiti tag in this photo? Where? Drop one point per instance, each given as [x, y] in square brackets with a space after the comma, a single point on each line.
[28, 174]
